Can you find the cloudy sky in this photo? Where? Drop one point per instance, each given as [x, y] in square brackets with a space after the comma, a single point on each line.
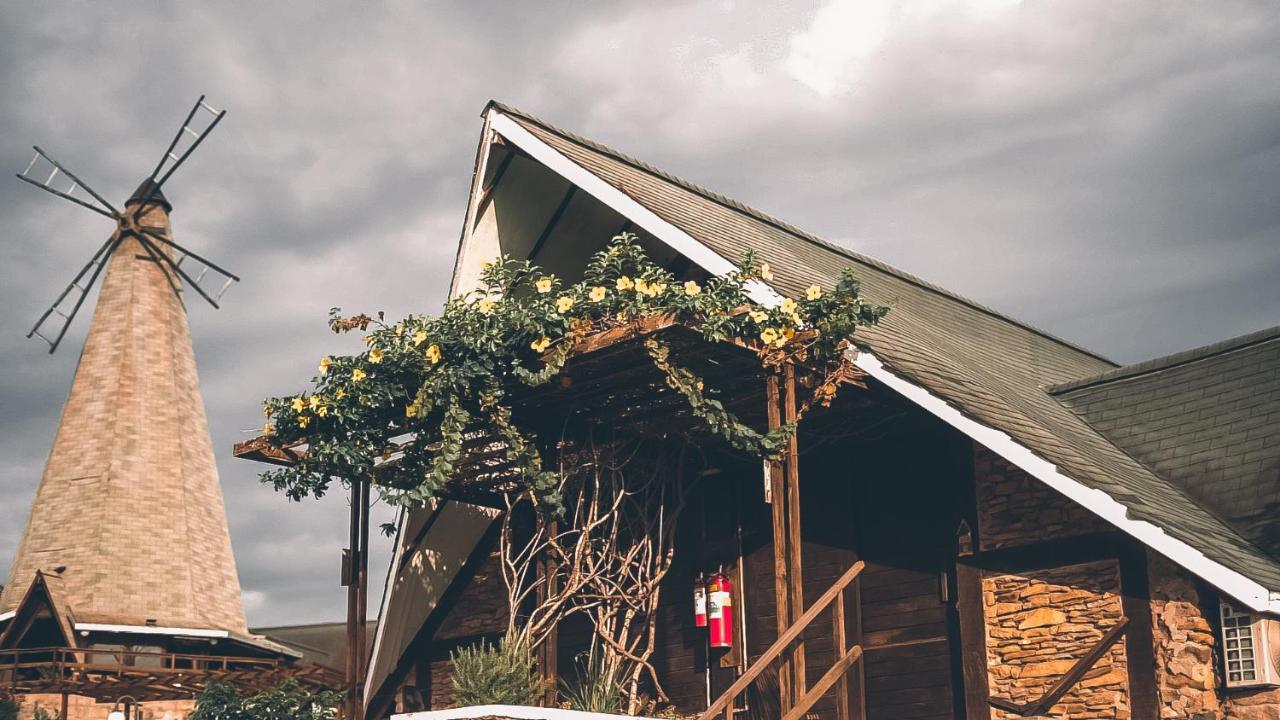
[1108, 171]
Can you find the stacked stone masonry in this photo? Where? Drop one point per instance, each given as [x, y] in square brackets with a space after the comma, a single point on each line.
[1015, 508]
[1188, 671]
[1040, 623]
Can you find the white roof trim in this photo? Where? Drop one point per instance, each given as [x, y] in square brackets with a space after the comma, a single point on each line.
[6, 615]
[382, 607]
[152, 630]
[519, 712]
[679, 240]
[1247, 591]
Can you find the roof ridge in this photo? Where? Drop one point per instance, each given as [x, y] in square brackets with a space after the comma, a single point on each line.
[1169, 362]
[764, 217]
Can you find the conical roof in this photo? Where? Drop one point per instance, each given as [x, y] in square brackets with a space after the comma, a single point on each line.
[130, 503]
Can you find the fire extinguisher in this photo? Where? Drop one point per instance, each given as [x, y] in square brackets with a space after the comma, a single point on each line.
[700, 601]
[720, 611]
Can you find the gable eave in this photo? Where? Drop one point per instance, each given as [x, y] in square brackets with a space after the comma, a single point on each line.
[499, 121]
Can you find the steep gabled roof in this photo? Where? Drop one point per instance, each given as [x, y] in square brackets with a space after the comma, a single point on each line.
[1207, 419]
[43, 599]
[991, 370]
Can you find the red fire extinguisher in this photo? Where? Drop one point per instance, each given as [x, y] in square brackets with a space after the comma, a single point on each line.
[720, 611]
[700, 601]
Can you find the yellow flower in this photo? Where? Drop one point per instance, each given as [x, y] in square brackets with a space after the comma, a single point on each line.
[541, 344]
[596, 294]
[758, 316]
[266, 411]
[642, 287]
[341, 393]
[813, 293]
[399, 329]
[357, 375]
[788, 305]
[433, 354]
[788, 333]
[299, 404]
[765, 272]
[485, 306]
[323, 410]
[411, 410]
[543, 285]
[325, 362]
[769, 336]
[563, 303]
[303, 421]
[795, 320]
[625, 283]
[692, 288]
[314, 401]
[419, 337]
[375, 356]
[268, 429]
[657, 288]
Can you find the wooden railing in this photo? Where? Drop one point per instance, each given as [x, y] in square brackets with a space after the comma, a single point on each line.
[54, 659]
[846, 656]
[1068, 680]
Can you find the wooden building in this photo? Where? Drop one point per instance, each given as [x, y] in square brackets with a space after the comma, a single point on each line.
[124, 584]
[1002, 524]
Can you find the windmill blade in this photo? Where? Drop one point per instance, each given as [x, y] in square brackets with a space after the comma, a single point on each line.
[161, 259]
[64, 309]
[202, 268]
[188, 139]
[47, 174]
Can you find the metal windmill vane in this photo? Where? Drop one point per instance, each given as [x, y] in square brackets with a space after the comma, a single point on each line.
[47, 174]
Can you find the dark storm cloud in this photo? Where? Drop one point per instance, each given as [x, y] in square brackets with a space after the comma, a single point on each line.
[1105, 170]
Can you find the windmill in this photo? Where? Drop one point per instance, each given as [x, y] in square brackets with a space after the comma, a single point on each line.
[157, 242]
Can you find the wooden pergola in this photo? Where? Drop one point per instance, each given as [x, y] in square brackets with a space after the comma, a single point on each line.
[108, 675]
[611, 382]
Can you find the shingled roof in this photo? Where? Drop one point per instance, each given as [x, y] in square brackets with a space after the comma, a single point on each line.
[991, 368]
[1206, 419]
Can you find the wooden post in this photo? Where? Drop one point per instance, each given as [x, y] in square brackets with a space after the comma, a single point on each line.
[794, 561]
[840, 645]
[973, 639]
[362, 599]
[349, 580]
[549, 650]
[356, 572]
[778, 492]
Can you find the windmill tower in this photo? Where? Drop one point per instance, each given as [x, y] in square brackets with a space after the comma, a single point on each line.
[126, 547]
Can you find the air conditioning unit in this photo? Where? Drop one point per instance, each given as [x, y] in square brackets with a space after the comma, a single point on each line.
[1250, 647]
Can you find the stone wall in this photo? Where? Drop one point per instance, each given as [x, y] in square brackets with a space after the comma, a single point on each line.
[1186, 676]
[1039, 623]
[1015, 508]
[1187, 665]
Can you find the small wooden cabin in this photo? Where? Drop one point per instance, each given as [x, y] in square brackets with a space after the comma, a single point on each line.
[1002, 524]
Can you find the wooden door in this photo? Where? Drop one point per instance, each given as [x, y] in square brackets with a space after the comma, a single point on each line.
[908, 508]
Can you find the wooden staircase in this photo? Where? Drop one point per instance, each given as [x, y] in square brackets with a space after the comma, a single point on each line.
[835, 676]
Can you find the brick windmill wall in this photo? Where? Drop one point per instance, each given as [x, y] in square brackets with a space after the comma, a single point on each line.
[129, 504]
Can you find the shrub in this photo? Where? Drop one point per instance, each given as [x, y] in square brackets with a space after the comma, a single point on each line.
[9, 709]
[289, 701]
[596, 686]
[501, 674]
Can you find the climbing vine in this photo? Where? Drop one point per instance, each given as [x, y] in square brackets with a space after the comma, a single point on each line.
[407, 404]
